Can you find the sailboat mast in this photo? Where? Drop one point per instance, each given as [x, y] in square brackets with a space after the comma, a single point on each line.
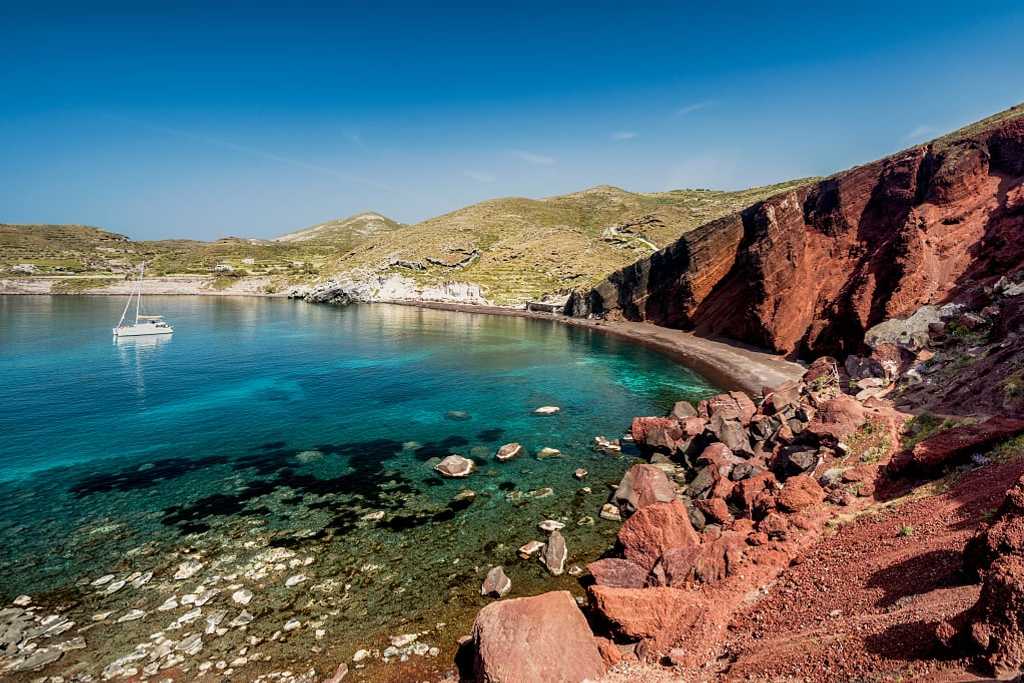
[138, 294]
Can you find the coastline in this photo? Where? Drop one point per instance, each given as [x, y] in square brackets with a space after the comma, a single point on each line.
[727, 364]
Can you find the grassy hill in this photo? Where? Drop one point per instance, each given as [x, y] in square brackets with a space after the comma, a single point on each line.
[515, 248]
[518, 249]
[344, 233]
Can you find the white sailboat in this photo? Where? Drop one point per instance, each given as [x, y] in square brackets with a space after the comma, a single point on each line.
[143, 324]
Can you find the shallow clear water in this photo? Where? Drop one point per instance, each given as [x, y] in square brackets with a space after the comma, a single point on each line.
[266, 424]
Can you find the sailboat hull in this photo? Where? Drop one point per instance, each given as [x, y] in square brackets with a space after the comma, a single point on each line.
[142, 330]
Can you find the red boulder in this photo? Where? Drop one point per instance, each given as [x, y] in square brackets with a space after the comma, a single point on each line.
[542, 638]
[799, 493]
[654, 529]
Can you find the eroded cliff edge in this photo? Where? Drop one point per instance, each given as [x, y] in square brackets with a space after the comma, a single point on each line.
[808, 271]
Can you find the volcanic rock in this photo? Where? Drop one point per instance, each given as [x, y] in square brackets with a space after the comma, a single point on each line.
[812, 268]
[655, 614]
[541, 638]
[655, 528]
[508, 451]
[610, 512]
[709, 562]
[660, 434]
[642, 485]
[798, 493]
[714, 510]
[745, 492]
[455, 466]
[555, 553]
[734, 405]
[496, 584]
[529, 549]
[683, 409]
[838, 418]
[932, 454]
[615, 571]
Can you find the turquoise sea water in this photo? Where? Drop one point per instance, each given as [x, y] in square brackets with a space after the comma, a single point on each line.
[276, 424]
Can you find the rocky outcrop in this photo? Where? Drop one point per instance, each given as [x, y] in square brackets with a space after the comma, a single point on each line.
[807, 272]
[543, 638]
[364, 288]
[993, 629]
[945, 448]
[643, 485]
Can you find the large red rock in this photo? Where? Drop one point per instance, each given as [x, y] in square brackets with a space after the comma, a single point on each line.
[709, 562]
[642, 485]
[799, 493]
[657, 615]
[714, 510]
[997, 623]
[663, 434]
[932, 454]
[654, 529]
[838, 418]
[618, 572]
[745, 492]
[808, 270]
[734, 405]
[542, 638]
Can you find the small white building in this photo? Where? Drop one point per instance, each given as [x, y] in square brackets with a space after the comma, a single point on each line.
[223, 268]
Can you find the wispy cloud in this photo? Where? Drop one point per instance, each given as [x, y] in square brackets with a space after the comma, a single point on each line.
[532, 158]
[692, 107]
[479, 176]
[921, 133]
[256, 152]
[621, 135]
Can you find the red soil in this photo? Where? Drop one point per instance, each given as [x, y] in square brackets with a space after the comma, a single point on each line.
[863, 604]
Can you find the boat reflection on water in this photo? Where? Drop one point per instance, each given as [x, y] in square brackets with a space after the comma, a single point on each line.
[135, 351]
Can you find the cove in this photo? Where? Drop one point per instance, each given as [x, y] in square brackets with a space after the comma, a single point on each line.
[269, 439]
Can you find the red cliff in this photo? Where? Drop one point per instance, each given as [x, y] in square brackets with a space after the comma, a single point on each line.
[807, 272]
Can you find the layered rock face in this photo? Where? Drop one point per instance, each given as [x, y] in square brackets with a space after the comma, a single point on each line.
[807, 272]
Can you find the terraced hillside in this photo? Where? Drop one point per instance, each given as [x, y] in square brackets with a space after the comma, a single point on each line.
[518, 249]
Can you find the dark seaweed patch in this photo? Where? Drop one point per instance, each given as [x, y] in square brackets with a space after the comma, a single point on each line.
[368, 483]
[135, 478]
[439, 449]
[490, 435]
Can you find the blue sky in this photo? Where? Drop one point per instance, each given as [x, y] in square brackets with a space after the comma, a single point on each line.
[181, 120]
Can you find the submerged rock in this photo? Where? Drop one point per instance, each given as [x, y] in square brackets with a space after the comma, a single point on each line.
[188, 569]
[496, 584]
[555, 553]
[548, 453]
[528, 550]
[508, 451]
[607, 446]
[455, 466]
